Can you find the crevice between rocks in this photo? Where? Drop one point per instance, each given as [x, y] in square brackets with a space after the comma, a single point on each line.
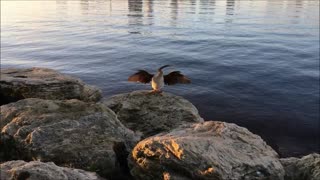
[122, 160]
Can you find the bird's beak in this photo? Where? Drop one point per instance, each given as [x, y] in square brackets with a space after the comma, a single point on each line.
[164, 67]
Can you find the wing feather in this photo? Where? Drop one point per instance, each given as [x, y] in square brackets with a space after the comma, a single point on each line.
[176, 77]
[141, 76]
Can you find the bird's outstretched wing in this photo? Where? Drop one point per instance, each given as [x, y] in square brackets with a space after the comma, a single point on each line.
[176, 77]
[141, 76]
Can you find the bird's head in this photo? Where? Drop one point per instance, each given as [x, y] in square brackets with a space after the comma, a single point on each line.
[162, 67]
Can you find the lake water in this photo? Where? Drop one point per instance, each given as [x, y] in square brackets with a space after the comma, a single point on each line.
[253, 63]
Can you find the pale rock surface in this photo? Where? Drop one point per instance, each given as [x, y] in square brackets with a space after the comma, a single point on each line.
[152, 113]
[210, 150]
[43, 83]
[70, 133]
[35, 170]
[305, 168]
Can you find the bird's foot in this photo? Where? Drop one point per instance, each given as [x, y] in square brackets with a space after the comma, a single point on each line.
[155, 91]
[152, 92]
[159, 92]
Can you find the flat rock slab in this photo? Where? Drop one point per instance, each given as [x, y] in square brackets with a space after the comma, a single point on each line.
[209, 150]
[43, 83]
[305, 168]
[152, 113]
[35, 170]
[70, 133]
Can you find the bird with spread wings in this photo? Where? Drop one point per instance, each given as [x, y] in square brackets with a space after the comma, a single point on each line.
[158, 80]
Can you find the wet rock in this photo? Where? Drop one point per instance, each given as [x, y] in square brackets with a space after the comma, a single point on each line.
[35, 170]
[209, 150]
[43, 83]
[306, 168]
[70, 133]
[150, 113]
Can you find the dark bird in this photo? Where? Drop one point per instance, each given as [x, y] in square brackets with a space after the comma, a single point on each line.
[158, 80]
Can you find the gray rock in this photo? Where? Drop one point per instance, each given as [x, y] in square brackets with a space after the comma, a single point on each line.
[209, 150]
[306, 168]
[70, 133]
[150, 113]
[43, 83]
[35, 170]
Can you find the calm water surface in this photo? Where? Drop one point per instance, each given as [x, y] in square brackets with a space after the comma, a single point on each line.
[253, 63]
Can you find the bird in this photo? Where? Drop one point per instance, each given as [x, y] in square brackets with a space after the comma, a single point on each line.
[158, 80]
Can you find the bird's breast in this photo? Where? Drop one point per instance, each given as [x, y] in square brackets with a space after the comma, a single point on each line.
[157, 82]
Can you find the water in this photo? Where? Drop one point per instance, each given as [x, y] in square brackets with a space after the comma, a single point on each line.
[253, 63]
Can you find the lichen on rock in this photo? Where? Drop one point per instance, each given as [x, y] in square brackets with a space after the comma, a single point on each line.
[208, 150]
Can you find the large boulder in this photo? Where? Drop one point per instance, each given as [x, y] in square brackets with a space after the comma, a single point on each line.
[70, 133]
[152, 113]
[35, 170]
[306, 168]
[43, 83]
[209, 150]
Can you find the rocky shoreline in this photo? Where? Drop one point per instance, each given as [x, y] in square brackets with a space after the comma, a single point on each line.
[54, 126]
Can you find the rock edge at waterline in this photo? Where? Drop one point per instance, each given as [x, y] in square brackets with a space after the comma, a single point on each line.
[152, 113]
[35, 170]
[43, 83]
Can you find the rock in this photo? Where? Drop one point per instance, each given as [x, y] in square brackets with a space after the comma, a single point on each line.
[70, 133]
[151, 114]
[306, 168]
[35, 170]
[43, 83]
[208, 150]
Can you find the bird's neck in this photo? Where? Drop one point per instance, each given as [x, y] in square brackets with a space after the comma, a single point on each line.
[159, 74]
